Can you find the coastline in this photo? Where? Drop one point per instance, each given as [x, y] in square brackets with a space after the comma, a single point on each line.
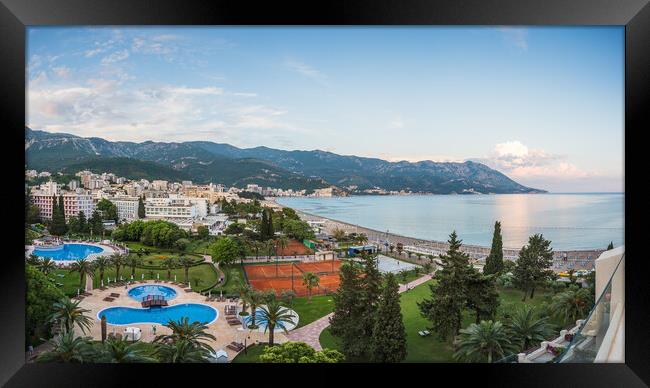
[475, 251]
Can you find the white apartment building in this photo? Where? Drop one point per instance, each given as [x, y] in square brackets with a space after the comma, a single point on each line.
[159, 185]
[31, 173]
[127, 207]
[169, 208]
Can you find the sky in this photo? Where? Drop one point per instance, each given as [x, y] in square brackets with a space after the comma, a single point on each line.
[543, 105]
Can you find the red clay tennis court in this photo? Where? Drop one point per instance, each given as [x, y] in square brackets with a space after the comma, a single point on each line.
[294, 248]
[288, 276]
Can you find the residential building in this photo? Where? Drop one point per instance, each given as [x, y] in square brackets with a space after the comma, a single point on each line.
[159, 208]
[73, 202]
[159, 185]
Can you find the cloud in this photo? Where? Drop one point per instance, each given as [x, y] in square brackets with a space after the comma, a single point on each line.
[541, 169]
[515, 36]
[116, 56]
[61, 71]
[396, 123]
[305, 70]
[118, 110]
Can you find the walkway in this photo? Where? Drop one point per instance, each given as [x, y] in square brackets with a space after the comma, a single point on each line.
[310, 333]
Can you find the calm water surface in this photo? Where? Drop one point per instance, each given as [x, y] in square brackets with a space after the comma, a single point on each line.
[570, 221]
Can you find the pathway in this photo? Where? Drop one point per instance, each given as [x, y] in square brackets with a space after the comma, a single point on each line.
[310, 333]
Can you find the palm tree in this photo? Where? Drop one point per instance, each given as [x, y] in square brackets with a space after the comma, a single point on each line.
[133, 262]
[272, 315]
[282, 242]
[244, 291]
[182, 330]
[338, 234]
[310, 280]
[169, 263]
[68, 314]
[122, 351]
[84, 267]
[32, 259]
[255, 299]
[117, 261]
[68, 348]
[186, 263]
[102, 263]
[362, 239]
[528, 330]
[181, 352]
[571, 305]
[47, 265]
[483, 342]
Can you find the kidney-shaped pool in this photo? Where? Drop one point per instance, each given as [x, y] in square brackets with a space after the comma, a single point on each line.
[121, 315]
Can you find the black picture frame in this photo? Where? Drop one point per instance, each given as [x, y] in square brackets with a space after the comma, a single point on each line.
[15, 15]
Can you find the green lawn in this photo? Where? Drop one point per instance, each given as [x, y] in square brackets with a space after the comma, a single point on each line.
[252, 354]
[430, 348]
[234, 275]
[308, 312]
[204, 272]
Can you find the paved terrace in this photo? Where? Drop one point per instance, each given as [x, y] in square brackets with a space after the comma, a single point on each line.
[224, 333]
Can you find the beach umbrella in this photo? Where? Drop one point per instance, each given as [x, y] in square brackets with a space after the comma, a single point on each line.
[189, 284]
[131, 276]
[158, 275]
[221, 293]
[209, 293]
[142, 276]
[102, 285]
[174, 277]
[77, 292]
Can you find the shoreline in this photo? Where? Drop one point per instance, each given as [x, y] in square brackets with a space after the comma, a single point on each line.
[475, 251]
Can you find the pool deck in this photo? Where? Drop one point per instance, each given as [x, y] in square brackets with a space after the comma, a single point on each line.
[224, 333]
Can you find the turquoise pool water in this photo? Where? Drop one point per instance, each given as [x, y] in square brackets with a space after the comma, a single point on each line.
[140, 292]
[69, 252]
[121, 315]
[260, 322]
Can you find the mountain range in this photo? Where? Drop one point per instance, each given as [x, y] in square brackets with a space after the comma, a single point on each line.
[204, 162]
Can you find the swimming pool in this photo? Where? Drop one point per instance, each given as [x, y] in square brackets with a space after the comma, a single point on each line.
[278, 327]
[140, 292]
[68, 252]
[121, 315]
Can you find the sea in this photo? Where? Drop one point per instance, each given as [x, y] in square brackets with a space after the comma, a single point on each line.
[572, 221]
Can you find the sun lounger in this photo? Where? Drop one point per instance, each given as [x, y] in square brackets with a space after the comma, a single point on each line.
[114, 295]
[108, 299]
[188, 290]
[423, 333]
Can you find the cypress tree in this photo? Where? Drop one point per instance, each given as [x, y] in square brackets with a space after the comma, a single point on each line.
[270, 227]
[83, 224]
[482, 295]
[347, 312]
[141, 211]
[494, 261]
[57, 224]
[533, 263]
[62, 209]
[388, 342]
[610, 246]
[371, 293]
[449, 294]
